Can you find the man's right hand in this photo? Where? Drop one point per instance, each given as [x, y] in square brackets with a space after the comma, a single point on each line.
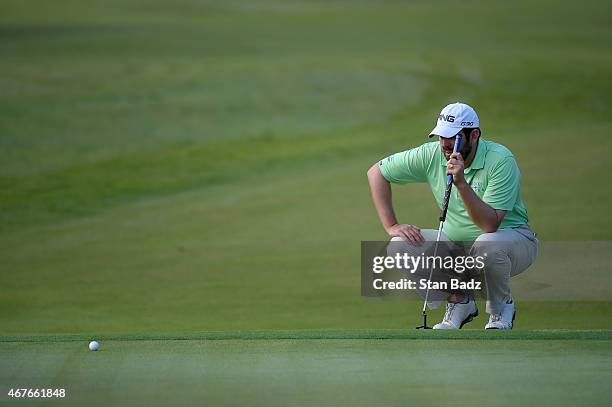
[410, 233]
[381, 194]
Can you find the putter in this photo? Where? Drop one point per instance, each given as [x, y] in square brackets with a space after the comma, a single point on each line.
[449, 186]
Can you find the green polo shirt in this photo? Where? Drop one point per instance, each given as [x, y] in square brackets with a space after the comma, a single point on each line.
[494, 176]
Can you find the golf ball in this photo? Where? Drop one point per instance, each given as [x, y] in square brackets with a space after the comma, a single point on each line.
[94, 345]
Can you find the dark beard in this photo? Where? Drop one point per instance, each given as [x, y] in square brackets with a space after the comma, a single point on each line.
[467, 149]
[465, 152]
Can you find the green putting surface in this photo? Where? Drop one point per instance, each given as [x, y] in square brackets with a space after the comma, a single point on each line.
[552, 368]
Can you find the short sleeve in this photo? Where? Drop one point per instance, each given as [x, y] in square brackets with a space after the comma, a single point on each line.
[503, 187]
[407, 166]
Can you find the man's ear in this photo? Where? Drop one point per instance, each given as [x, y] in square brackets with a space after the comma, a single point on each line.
[474, 134]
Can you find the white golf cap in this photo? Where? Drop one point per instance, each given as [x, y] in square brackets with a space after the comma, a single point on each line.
[453, 118]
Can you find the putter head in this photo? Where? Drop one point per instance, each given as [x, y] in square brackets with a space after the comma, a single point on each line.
[424, 326]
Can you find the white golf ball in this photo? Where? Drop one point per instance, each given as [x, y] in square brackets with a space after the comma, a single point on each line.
[94, 345]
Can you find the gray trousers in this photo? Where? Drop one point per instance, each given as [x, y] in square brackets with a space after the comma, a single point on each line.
[507, 253]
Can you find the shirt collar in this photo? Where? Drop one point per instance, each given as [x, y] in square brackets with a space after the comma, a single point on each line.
[479, 158]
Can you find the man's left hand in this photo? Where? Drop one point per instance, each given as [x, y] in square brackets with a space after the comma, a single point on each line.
[455, 167]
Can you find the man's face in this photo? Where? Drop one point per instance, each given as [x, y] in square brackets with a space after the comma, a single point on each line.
[447, 145]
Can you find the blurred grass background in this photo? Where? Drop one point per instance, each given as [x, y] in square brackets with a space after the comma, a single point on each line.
[200, 165]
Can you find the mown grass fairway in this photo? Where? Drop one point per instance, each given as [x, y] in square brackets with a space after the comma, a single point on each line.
[198, 166]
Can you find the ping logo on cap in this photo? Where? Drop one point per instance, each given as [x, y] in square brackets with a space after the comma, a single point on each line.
[454, 117]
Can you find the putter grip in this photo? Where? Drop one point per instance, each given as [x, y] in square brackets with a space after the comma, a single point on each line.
[449, 183]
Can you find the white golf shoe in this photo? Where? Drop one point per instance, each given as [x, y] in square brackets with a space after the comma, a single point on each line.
[505, 320]
[458, 314]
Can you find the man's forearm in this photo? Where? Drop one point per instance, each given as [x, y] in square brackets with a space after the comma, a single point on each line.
[483, 215]
[381, 195]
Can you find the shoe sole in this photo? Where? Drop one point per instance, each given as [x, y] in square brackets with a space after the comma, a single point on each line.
[513, 316]
[469, 318]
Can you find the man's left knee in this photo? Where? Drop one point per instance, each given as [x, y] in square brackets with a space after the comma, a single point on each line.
[492, 246]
